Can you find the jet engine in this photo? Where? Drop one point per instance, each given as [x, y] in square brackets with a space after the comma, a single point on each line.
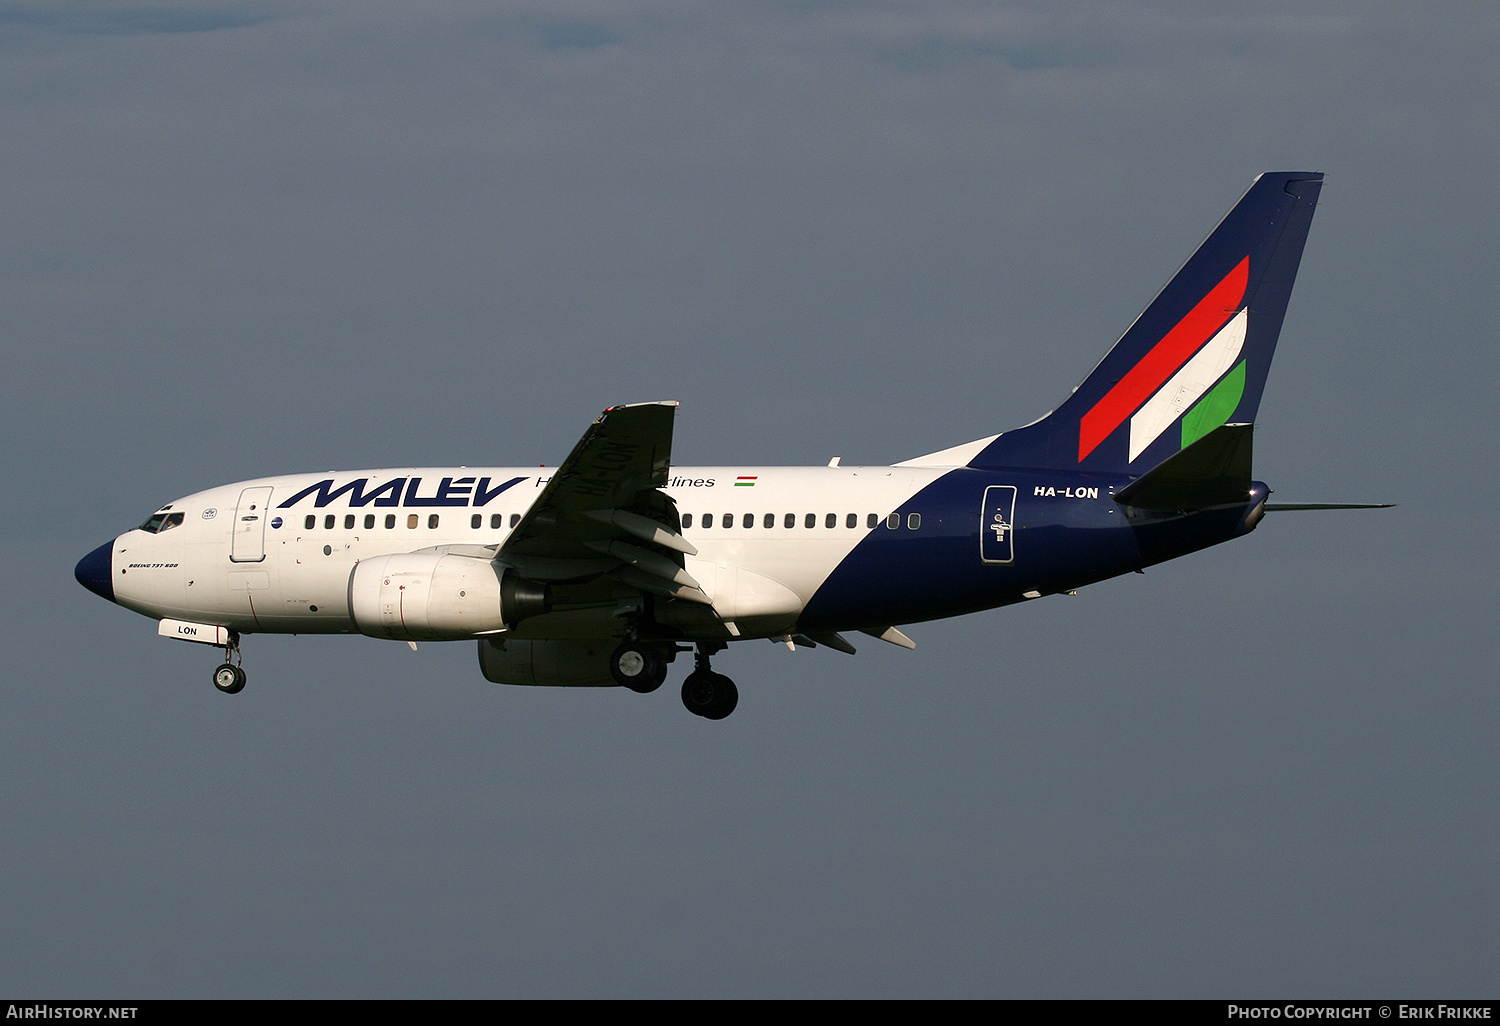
[429, 596]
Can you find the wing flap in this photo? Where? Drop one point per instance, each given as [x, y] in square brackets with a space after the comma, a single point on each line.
[602, 516]
[644, 528]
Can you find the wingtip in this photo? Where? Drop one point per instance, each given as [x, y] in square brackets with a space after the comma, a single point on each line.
[626, 406]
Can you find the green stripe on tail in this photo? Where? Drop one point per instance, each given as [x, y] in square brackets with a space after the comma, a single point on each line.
[1215, 408]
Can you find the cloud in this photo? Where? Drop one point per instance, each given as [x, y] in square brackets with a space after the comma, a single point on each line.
[124, 19]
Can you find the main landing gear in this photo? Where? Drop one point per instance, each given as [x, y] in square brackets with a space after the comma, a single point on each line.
[230, 676]
[638, 666]
[706, 693]
[642, 668]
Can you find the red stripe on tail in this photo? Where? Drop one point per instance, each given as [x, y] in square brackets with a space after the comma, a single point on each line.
[1164, 359]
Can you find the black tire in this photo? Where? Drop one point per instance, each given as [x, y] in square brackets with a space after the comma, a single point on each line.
[710, 695]
[638, 666]
[726, 697]
[698, 691]
[660, 677]
[229, 679]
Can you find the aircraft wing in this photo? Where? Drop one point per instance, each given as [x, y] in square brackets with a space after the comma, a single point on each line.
[603, 511]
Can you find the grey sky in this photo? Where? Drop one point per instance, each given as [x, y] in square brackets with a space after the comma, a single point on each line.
[251, 238]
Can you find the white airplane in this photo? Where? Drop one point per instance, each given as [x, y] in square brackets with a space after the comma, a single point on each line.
[605, 569]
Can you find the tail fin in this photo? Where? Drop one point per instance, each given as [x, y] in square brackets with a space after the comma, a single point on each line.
[1196, 359]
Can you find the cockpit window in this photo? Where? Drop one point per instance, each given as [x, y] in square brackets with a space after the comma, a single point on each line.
[162, 520]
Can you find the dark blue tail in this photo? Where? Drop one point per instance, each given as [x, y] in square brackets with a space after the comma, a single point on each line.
[1196, 359]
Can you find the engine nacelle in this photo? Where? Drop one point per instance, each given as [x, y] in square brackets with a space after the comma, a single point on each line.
[429, 596]
[581, 663]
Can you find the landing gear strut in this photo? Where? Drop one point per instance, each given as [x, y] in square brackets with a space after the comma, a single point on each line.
[230, 676]
[706, 693]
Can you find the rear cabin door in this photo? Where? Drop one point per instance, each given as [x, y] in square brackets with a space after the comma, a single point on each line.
[997, 525]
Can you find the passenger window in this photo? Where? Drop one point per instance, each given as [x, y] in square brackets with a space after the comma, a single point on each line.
[728, 519]
[893, 521]
[369, 521]
[831, 520]
[770, 520]
[791, 520]
[390, 521]
[708, 520]
[328, 522]
[749, 519]
[515, 518]
[812, 520]
[310, 522]
[913, 521]
[496, 519]
[872, 520]
[852, 520]
[432, 521]
[348, 521]
[687, 521]
[411, 521]
[476, 520]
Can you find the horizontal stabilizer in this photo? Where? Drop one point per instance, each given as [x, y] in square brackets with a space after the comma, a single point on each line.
[1213, 471]
[1284, 507]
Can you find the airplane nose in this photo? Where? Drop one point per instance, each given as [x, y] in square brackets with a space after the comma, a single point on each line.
[92, 572]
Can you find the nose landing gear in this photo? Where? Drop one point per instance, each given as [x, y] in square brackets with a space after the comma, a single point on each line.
[229, 677]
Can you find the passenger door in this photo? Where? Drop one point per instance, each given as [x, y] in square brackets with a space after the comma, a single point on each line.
[248, 543]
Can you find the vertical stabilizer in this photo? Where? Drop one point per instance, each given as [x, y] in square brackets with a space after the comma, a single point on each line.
[1196, 359]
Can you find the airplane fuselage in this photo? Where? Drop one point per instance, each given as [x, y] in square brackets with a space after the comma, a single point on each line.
[845, 548]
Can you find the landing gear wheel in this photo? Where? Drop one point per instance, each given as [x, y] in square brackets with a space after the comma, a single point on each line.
[638, 666]
[229, 679]
[710, 695]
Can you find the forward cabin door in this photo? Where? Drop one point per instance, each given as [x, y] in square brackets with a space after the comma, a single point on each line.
[248, 544]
